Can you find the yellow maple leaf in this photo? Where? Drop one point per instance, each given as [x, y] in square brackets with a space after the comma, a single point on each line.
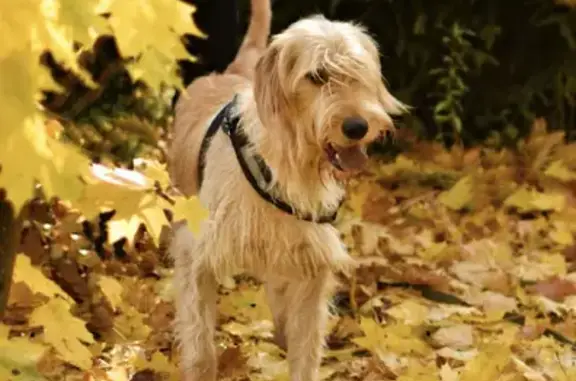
[124, 228]
[101, 197]
[154, 219]
[259, 328]
[132, 195]
[155, 69]
[418, 371]
[112, 290]
[36, 280]
[52, 35]
[459, 195]
[17, 19]
[447, 373]
[526, 200]
[153, 170]
[130, 324]
[409, 312]
[21, 75]
[19, 358]
[65, 332]
[248, 305]
[488, 364]
[396, 338]
[30, 154]
[191, 210]
[159, 363]
[156, 51]
[82, 20]
[561, 234]
[560, 171]
[266, 357]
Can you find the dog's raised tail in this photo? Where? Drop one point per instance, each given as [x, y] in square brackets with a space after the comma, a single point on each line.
[255, 40]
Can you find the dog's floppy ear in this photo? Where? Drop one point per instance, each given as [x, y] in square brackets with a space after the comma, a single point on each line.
[391, 105]
[269, 92]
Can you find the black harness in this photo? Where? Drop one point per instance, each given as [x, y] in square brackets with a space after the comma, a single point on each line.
[229, 124]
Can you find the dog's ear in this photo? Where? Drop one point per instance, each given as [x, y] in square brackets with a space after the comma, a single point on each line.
[391, 104]
[269, 91]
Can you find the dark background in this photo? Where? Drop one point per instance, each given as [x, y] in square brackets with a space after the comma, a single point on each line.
[472, 70]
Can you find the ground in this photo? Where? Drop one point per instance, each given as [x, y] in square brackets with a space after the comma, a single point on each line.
[467, 272]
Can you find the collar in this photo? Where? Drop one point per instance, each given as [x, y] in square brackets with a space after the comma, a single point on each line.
[255, 169]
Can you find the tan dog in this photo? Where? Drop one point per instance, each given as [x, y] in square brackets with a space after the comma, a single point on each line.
[306, 107]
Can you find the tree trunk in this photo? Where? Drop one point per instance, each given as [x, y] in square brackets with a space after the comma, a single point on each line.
[8, 240]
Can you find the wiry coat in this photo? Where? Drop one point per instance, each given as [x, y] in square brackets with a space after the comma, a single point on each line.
[288, 121]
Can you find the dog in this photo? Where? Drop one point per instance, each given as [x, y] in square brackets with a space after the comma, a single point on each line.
[264, 145]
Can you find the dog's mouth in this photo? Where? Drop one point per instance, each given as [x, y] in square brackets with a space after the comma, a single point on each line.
[346, 159]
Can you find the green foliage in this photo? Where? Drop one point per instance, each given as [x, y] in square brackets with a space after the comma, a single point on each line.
[121, 118]
[472, 70]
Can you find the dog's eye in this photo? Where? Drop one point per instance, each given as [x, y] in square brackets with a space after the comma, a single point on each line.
[318, 77]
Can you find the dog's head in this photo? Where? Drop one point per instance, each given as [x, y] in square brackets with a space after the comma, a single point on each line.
[320, 82]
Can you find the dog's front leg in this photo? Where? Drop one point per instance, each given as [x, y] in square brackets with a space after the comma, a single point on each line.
[195, 301]
[306, 318]
[276, 295]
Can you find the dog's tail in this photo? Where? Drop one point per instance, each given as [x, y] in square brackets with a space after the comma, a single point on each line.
[255, 40]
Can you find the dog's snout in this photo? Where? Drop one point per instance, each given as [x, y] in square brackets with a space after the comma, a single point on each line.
[355, 128]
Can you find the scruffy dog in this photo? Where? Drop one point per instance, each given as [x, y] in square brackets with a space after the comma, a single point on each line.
[264, 146]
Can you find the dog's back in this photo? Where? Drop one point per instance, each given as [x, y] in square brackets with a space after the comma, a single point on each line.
[206, 95]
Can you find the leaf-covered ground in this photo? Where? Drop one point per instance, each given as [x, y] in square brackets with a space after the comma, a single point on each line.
[467, 273]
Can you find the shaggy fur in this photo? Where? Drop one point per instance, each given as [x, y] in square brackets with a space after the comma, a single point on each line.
[293, 97]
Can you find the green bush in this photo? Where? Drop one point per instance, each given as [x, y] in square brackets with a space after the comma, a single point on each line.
[471, 70]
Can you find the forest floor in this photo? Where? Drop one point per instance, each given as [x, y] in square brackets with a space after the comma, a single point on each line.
[467, 272]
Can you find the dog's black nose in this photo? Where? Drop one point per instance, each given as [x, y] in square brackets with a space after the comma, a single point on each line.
[355, 128]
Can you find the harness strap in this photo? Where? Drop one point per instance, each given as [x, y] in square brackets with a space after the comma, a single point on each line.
[212, 130]
[248, 163]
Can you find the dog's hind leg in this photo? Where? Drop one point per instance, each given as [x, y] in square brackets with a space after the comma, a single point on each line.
[195, 301]
[307, 315]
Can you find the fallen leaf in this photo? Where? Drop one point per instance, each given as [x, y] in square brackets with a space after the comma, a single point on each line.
[19, 358]
[65, 332]
[459, 336]
[488, 365]
[112, 290]
[554, 288]
[459, 196]
[36, 280]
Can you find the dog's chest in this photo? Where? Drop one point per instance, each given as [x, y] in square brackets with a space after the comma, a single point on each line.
[263, 241]
[250, 234]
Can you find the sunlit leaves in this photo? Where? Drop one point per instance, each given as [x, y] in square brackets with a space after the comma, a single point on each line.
[29, 28]
[156, 51]
[64, 332]
[19, 358]
[30, 154]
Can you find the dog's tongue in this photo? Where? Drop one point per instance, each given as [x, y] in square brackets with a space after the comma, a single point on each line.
[352, 158]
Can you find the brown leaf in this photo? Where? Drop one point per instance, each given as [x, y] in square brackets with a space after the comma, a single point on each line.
[67, 274]
[421, 276]
[570, 253]
[32, 244]
[231, 362]
[162, 316]
[554, 288]
[471, 157]
[376, 207]
[533, 331]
